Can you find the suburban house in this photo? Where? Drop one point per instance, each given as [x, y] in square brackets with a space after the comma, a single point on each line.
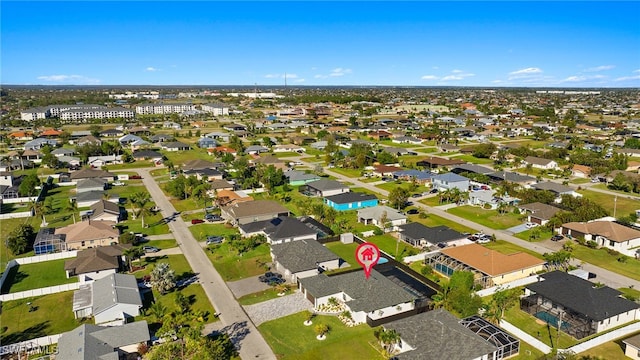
[302, 259]
[581, 171]
[450, 181]
[632, 347]
[92, 173]
[256, 149]
[541, 163]
[152, 155]
[242, 213]
[96, 263]
[94, 184]
[102, 160]
[368, 300]
[385, 170]
[581, 308]
[228, 197]
[538, 213]
[205, 143]
[490, 267]
[557, 189]
[512, 177]
[419, 235]
[87, 198]
[485, 199]
[270, 160]
[175, 146]
[351, 201]
[471, 168]
[433, 163]
[282, 229]
[89, 342]
[89, 234]
[606, 234]
[206, 174]
[325, 187]
[297, 178]
[438, 334]
[111, 300]
[420, 177]
[382, 217]
[104, 210]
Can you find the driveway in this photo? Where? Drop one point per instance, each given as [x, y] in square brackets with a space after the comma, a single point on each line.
[277, 308]
[517, 229]
[246, 286]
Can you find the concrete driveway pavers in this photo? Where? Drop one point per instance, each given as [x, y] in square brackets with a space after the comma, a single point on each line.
[277, 308]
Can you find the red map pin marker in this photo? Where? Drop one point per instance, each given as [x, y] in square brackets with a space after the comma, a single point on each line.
[367, 254]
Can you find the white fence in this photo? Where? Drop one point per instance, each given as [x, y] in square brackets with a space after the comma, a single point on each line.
[601, 339]
[19, 200]
[525, 337]
[16, 215]
[39, 292]
[254, 191]
[520, 282]
[42, 345]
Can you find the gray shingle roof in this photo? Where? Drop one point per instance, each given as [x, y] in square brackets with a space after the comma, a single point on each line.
[350, 197]
[282, 227]
[553, 187]
[255, 208]
[377, 211]
[437, 335]
[326, 184]
[472, 168]
[433, 235]
[297, 256]
[113, 290]
[92, 342]
[376, 292]
[581, 296]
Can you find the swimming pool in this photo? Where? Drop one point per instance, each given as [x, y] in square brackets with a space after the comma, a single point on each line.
[551, 320]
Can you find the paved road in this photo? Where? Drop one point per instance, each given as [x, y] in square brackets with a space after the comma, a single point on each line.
[235, 320]
[604, 276]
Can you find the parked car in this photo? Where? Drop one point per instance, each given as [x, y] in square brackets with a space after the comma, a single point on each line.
[212, 217]
[197, 221]
[117, 183]
[209, 208]
[557, 237]
[271, 278]
[150, 249]
[413, 211]
[484, 240]
[530, 225]
[136, 177]
[416, 195]
[433, 191]
[214, 239]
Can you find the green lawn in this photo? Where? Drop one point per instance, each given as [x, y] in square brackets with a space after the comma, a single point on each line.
[290, 339]
[153, 225]
[402, 184]
[507, 248]
[488, 218]
[472, 159]
[162, 244]
[131, 165]
[180, 157]
[262, 296]
[24, 325]
[177, 263]
[630, 293]
[623, 205]
[38, 275]
[352, 173]
[199, 301]
[432, 201]
[233, 267]
[347, 252]
[533, 327]
[600, 257]
[544, 232]
[6, 227]
[612, 350]
[389, 244]
[201, 231]
[435, 220]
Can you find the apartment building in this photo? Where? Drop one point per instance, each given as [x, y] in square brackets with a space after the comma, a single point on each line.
[216, 109]
[145, 109]
[105, 113]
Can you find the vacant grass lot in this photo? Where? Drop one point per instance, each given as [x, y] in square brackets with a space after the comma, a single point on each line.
[472, 159]
[352, 173]
[600, 257]
[507, 248]
[612, 350]
[35, 276]
[233, 267]
[488, 218]
[388, 186]
[290, 339]
[177, 263]
[24, 325]
[201, 231]
[544, 232]
[623, 205]
[198, 300]
[389, 244]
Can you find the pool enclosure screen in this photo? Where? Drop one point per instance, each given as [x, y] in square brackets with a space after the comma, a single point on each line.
[507, 345]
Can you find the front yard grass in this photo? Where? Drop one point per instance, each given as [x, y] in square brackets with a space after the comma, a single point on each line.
[612, 350]
[290, 339]
[24, 325]
[37, 275]
[262, 296]
[177, 263]
[602, 258]
[232, 266]
[488, 218]
[388, 186]
[198, 300]
[623, 205]
[544, 232]
[352, 173]
[201, 231]
[472, 159]
[434, 220]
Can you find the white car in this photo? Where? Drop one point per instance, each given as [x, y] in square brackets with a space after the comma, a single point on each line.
[530, 225]
[118, 183]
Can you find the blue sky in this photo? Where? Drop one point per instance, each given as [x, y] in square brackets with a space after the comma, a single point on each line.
[417, 43]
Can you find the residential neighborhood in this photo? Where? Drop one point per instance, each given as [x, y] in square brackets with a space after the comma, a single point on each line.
[167, 218]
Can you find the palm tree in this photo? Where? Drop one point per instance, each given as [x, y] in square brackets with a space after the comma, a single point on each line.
[158, 311]
[132, 254]
[321, 330]
[72, 206]
[141, 200]
[20, 152]
[441, 299]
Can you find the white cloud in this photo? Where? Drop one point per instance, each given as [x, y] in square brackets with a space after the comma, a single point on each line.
[281, 76]
[530, 70]
[457, 71]
[636, 71]
[429, 77]
[151, 69]
[298, 80]
[320, 76]
[627, 78]
[454, 76]
[69, 79]
[339, 72]
[574, 79]
[600, 68]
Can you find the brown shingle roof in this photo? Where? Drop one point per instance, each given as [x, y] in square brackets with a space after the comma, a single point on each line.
[255, 208]
[89, 230]
[490, 261]
[540, 210]
[95, 259]
[611, 230]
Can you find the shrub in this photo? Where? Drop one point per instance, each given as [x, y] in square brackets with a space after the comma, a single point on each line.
[592, 244]
[378, 232]
[622, 259]
[612, 252]
[426, 270]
